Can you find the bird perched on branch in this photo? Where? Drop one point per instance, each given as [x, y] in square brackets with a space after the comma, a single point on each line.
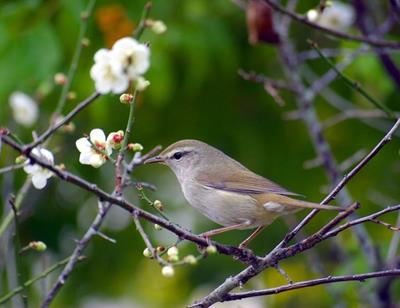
[225, 191]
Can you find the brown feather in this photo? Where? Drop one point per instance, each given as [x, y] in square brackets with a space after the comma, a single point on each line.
[242, 181]
[265, 198]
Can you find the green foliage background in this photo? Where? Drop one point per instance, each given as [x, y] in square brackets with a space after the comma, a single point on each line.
[195, 93]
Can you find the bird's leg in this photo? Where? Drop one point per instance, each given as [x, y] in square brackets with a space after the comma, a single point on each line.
[213, 232]
[251, 237]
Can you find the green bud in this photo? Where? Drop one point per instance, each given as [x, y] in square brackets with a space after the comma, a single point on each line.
[172, 251]
[135, 147]
[173, 258]
[157, 227]
[20, 159]
[190, 259]
[158, 205]
[211, 249]
[38, 246]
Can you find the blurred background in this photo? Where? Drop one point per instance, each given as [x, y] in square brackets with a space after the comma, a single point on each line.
[197, 93]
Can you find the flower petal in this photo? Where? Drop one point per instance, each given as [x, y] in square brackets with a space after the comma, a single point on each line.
[31, 169]
[39, 180]
[85, 158]
[97, 160]
[83, 145]
[47, 155]
[97, 135]
[102, 55]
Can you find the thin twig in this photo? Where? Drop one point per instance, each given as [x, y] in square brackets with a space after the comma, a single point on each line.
[243, 255]
[260, 78]
[121, 154]
[147, 241]
[343, 104]
[73, 260]
[31, 281]
[311, 283]
[11, 168]
[352, 160]
[75, 59]
[353, 84]
[18, 200]
[353, 114]
[270, 260]
[17, 248]
[361, 220]
[394, 243]
[343, 182]
[142, 23]
[346, 36]
[53, 128]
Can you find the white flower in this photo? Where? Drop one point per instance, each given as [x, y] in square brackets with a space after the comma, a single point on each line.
[25, 109]
[130, 58]
[105, 78]
[339, 16]
[39, 174]
[95, 151]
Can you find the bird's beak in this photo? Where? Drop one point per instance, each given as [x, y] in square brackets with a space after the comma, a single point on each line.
[155, 159]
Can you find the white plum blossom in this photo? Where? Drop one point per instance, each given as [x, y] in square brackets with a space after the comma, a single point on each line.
[338, 16]
[104, 76]
[25, 109]
[114, 69]
[94, 151]
[130, 58]
[39, 174]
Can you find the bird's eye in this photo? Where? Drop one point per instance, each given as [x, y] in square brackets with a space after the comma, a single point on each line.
[178, 155]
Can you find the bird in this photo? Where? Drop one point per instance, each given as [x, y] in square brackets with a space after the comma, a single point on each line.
[226, 192]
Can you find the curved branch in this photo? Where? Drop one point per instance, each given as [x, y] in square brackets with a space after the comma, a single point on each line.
[243, 255]
[311, 283]
[346, 36]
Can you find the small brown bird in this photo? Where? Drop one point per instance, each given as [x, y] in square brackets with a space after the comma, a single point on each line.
[225, 191]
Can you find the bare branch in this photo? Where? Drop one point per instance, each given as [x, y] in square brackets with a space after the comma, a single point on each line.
[332, 32]
[11, 168]
[311, 283]
[361, 220]
[76, 255]
[243, 255]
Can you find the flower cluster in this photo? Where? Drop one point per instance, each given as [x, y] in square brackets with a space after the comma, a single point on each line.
[337, 16]
[96, 148]
[125, 62]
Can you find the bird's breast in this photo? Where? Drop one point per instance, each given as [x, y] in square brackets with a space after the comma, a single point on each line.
[226, 208]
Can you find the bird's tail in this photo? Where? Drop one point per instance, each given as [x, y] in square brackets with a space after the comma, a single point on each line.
[311, 205]
[308, 205]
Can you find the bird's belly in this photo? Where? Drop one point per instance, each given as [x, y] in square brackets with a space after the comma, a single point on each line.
[227, 208]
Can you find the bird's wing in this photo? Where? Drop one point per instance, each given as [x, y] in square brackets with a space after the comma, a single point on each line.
[243, 182]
